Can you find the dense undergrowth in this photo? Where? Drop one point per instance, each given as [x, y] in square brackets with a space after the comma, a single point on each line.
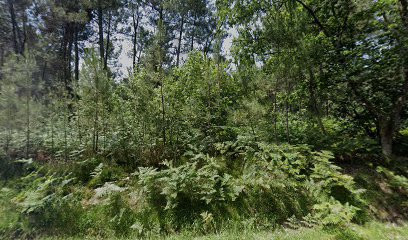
[214, 161]
[245, 184]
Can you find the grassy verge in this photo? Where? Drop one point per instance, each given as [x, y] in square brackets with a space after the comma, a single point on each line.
[9, 217]
[60, 210]
[369, 231]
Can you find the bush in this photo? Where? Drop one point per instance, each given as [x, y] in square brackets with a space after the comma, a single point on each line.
[48, 203]
[274, 182]
[247, 183]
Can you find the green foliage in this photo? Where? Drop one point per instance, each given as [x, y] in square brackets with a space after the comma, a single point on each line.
[21, 114]
[284, 129]
[333, 213]
[399, 186]
[396, 181]
[51, 204]
[84, 169]
[8, 218]
[122, 216]
[275, 182]
[207, 153]
[48, 202]
[102, 174]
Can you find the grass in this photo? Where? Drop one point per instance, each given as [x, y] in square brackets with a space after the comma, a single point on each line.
[9, 220]
[8, 217]
[370, 231]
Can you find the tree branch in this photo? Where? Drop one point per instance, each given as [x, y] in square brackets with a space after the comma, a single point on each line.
[315, 18]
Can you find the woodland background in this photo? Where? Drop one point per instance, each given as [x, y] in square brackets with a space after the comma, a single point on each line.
[302, 123]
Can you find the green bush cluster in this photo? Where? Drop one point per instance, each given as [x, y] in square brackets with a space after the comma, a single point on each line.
[50, 202]
[245, 183]
[273, 182]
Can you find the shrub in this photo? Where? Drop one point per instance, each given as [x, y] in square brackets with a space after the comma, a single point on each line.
[48, 202]
[273, 182]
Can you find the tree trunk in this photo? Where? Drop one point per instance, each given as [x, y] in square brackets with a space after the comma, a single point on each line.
[206, 46]
[139, 56]
[67, 63]
[1, 57]
[287, 119]
[14, 26]
[209, 96]
[19, 38]
[386, 134]
[404, 11]
[76, 55]
[69, 58]
[192, 36]
[179, 41]
[161, 57]
[28, 116]
[135, 27]
[287, 111]
[163, 111]
[100, 28]
[52, 132]
[389, 124]
[66, 120]
[105, 63]
[275, 113]
[96, 127]
[313, 105]
[23, 42]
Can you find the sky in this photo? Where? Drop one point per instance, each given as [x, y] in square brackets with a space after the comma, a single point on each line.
[125, 59]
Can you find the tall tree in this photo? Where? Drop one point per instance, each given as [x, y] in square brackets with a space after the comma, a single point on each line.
[353, 57]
